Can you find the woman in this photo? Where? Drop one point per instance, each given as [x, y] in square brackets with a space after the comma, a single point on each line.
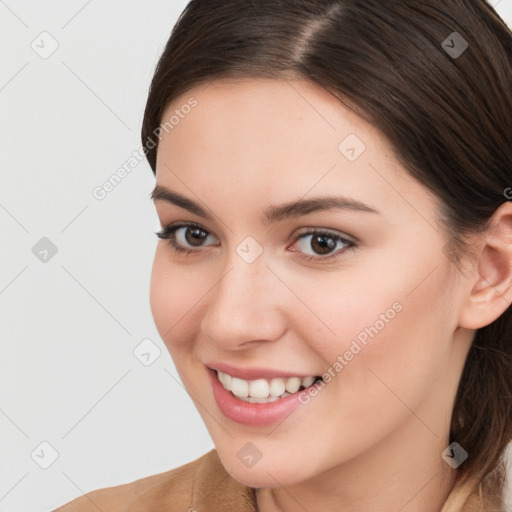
[334, 274]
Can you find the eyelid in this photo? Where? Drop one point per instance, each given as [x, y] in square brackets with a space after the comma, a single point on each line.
[333, 232]
[307, 230]
[349, 242]
[168, 232]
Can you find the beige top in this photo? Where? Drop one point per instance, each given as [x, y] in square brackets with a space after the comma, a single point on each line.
[202, 485]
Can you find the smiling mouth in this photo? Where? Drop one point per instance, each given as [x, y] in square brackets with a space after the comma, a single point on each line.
[262, 391]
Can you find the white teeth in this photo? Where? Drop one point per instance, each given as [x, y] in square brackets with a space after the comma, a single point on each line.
[254, 400]
[293, 384]
[263, 400]
[259, 388]
[239, 387]
[263, 390]
[277, 387]
[307, 381]
[221, 377]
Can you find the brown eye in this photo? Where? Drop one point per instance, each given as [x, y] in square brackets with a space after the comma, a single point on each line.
[195, 236]
[320, 245]
[182, 237]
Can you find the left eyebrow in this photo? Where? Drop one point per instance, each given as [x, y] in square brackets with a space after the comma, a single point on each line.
[301, 207]
[273, 214]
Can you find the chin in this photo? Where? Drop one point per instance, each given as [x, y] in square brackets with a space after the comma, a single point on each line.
[264, 474]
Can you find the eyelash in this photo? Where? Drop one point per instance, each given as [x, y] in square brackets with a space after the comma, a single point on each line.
[169, 233]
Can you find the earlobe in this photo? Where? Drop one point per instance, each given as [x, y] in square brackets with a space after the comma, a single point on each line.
[491, 287]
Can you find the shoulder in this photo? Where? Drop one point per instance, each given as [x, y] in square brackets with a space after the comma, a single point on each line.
[172, 490]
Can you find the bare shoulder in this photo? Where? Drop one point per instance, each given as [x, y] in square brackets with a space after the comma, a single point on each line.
[170, 488]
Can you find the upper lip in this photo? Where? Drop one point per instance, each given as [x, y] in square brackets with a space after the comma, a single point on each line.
[253, 372]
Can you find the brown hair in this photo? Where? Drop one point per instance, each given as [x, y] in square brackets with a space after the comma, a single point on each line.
[447, 116]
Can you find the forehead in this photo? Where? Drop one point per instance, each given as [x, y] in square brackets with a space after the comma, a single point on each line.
[282, 113]
[282, 138]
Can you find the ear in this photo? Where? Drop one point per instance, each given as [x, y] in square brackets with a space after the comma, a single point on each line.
[491, 286]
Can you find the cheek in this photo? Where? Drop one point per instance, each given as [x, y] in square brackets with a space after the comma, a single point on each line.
[379, 319]
[345, 310]
[174, 295]
[395, 344]
[390, 326]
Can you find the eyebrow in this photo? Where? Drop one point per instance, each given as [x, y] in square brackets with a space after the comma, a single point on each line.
[273, 214]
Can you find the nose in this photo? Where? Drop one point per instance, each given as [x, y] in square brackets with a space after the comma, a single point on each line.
[246, 307]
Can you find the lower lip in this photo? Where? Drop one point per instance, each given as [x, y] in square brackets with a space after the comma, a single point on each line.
[248, 413]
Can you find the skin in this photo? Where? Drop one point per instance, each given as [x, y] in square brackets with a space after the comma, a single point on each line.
[372, 438]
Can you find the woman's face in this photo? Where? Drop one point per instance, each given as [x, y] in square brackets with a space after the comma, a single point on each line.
[357, 290]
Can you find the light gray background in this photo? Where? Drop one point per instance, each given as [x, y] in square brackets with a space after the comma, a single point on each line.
[69, 376]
